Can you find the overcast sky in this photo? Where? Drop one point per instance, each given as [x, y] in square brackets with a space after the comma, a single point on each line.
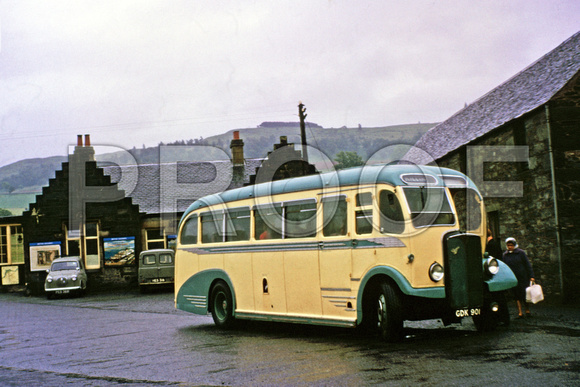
[140, 72]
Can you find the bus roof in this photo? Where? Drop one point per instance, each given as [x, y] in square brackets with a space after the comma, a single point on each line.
[395, 175]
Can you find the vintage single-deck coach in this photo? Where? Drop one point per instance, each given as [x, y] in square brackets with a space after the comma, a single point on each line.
[369, 247]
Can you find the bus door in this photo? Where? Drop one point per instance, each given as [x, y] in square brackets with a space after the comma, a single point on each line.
[268, 260]
[335, 257]
[301, 270]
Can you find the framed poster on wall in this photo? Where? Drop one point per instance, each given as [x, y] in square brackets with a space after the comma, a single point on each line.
[119, 251]
[10, 275]
[42, 254]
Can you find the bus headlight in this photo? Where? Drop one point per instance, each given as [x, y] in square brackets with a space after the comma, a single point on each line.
[491, 266]
[436, 272]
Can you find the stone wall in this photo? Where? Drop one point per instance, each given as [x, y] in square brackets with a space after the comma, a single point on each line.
[528, 217]
[565, 127]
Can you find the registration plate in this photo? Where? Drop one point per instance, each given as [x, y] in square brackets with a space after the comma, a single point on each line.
[158, 280]
[467, 312]
[62, 292]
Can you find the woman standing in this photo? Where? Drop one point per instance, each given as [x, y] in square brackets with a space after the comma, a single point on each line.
[518, 262]
[492, 247]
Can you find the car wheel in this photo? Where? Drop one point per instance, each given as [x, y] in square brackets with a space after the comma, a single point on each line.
[222, 306]
[83, 289]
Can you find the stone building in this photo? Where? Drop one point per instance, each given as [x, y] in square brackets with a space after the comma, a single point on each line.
[108, 214]
[521, 144]
[80, 213]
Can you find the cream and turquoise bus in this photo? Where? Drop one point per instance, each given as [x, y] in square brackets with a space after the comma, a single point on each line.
[364, 247]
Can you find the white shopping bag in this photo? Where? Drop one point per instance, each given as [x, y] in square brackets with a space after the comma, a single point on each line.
[534, 293]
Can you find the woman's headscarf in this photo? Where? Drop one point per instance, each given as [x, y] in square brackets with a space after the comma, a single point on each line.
[511, 240]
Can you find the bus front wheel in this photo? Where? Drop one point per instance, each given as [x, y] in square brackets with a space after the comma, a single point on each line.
[222, 306]
[389, 317]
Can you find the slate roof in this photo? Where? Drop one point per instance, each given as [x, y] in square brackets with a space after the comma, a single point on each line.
[179, 184]
[526, 91]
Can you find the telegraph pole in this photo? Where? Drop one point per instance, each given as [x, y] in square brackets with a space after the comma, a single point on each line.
[302, 114]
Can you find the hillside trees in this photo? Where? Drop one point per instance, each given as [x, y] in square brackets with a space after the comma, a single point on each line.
[348, 160]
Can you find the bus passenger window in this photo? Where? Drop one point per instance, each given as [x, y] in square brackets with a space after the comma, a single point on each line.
[268, 222]
[238, 224]
[300, 220]
[364, 222]
[364, 199]
[211, 227]
[334, 216]
[364, 216]
[392, 221]
[189, 231]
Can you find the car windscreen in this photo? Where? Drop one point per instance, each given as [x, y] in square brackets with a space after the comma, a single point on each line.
[57, 266]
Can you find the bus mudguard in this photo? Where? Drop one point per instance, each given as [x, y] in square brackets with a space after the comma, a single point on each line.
[503, 280]
[193, 296]
[402, 283]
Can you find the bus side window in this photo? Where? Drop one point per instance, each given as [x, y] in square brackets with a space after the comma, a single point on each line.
[334, 216]
[300, 220]
[211, 227]
[392, 221]
[189, 231]
[363, 215]
[268, 222]
[238, 224]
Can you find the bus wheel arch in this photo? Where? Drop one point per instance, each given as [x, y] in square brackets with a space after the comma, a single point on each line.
[221, 304]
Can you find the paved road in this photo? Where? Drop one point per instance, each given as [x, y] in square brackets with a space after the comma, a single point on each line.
[140, 340]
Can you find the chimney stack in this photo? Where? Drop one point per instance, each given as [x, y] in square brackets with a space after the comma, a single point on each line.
[237, 147]
[84, 152]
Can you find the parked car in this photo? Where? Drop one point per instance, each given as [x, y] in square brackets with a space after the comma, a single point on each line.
[66, 275]
[156, 267]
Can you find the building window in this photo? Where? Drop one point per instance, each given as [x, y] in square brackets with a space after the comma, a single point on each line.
[92, 246]
[87, 245]
[3, 244]
[155, 238]
[16, 244]
[11, 245]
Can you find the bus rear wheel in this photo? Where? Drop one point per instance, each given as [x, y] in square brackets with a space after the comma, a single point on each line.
[389, 317]
[222, 306]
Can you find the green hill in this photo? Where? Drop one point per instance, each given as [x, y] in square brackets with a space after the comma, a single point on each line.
[31, 175]
[364, 141]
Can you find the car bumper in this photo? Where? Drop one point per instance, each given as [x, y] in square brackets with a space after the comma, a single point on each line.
[62, 289]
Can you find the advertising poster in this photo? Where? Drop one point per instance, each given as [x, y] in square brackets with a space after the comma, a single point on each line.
[42, 254]
[119, 251]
